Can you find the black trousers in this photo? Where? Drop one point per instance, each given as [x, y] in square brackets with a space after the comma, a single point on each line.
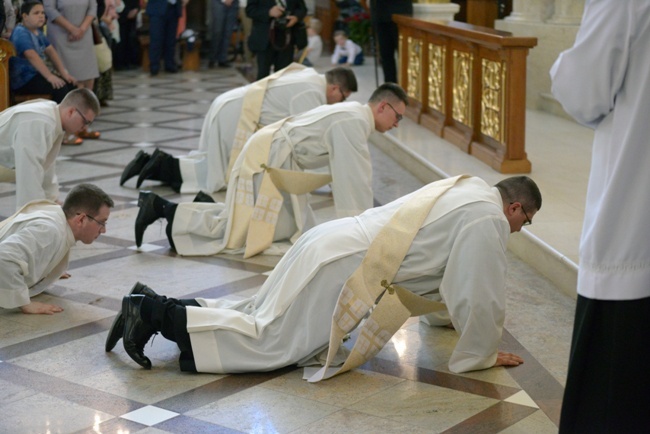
[169, 317]
[39, 84]
[270, 57]
[388, 39]
[608, 383]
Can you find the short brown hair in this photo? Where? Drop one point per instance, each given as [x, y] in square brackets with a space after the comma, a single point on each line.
[85, 198]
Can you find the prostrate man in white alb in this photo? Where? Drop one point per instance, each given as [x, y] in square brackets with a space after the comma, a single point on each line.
[448, 245]
[35, 242]
[30, 140]
[233, 118]
[259, 207]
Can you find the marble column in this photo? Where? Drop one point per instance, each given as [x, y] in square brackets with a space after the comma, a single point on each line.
[568, 12]
[534, 11]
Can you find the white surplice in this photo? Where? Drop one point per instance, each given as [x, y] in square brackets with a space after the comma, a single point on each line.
[602, 81]
[34, 247]
[292, 93]
[30, 140]
[458, 257]
[332, 137]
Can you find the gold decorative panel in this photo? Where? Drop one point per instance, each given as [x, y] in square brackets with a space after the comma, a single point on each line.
[462, 87]
[436, 77]
[414, 68]
[492, 99]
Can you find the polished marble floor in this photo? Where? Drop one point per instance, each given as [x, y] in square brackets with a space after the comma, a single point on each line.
[56, 377]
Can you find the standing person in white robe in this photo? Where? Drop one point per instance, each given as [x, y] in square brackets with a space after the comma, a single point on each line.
[331, 137]
[30, 140]
[456, 254]
[35, 243]
[233, 117]
[603, 81]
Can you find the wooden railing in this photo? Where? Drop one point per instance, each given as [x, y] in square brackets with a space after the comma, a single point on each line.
[6, 51]
[468, 85]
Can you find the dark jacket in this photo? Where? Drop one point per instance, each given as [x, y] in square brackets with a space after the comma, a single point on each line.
[381, 10]
[159, 7]
[258, 11]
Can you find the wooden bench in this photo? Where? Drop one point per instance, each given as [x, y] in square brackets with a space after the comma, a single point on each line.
[7, 98]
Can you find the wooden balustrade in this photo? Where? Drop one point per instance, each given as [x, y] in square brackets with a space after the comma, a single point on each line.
[468, 85]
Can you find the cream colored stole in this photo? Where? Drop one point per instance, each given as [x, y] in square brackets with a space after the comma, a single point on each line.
[254, 220]
[370, 281]
[251, 111]
[7, 175]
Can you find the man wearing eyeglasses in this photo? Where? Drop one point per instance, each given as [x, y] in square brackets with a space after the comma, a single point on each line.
[438, 253]
[30, 140]
[233, 117]
[260, 207]
[35, 242]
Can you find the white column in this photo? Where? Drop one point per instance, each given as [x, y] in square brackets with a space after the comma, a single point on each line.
[568, 12]
[534, 11]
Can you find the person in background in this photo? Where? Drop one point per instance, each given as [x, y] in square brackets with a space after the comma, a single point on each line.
[126, 49]
[314, 42]
[7, 19]
[163, 24]
[270, 38]
[385, 29]
[28, 71]
[69, 30]
[224, 19]
[346, 51]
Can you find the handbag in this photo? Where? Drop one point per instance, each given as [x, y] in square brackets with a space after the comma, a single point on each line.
[104, 56]
[299, 35]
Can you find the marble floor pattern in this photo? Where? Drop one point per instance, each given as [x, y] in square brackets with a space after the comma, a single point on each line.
[56, 377]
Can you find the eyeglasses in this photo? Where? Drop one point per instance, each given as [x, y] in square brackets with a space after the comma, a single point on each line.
[528, 222]
[86, 121]
[343, 97]
[398, 116]
[102, 224]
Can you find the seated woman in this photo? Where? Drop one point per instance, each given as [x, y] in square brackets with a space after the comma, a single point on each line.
[28, 72]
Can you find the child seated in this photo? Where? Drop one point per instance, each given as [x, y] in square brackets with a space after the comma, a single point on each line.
[28, 72]
[346, 52]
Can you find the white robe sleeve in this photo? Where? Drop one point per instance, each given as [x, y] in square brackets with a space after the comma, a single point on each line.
[351, 167]
[25, 257]
[31, 145]
[473, 286]
[600, 56]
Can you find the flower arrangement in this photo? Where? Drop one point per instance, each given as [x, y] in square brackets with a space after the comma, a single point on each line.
[359, 28]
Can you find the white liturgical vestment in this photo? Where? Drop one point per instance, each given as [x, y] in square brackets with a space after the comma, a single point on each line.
[292, 93]
[30, 140]
[457, 257]
[332, 137]
[602, 81]
[34, 247]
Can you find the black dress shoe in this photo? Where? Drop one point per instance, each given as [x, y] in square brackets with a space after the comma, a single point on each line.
[172, 70]
[225, 64]
[151, 170]
[116, 331]
[146, 215]
[135, 166]
[136, 332]
[203, 197]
